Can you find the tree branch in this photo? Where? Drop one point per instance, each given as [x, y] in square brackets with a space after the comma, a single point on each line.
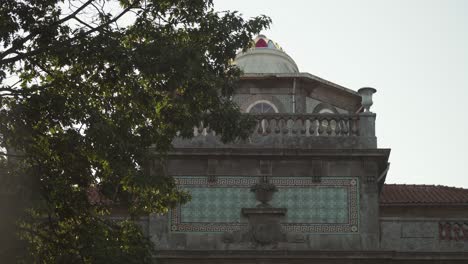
[21, 42]
[39, 50]
[42, 236]
[8, 89]
[11, 155]
[82, 22]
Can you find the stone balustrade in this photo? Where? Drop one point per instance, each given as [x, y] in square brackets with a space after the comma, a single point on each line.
[308, 124]
[302, 130]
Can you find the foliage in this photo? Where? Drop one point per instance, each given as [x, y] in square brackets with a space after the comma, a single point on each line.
[86, 93]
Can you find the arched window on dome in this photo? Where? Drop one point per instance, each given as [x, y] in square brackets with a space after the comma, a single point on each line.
[326, 111]
[324, 108]
[262, 107]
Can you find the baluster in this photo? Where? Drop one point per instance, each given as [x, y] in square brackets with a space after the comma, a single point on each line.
[337, 127]
[277, 125]
[313, 127]
[321, 127]
[303, 128]
[354, 128]
[316, 127]
[329, 127]
[272, 126]
[344, 127]
[292, 125]
[306, 126]
[296, 125]
[266, 126]
[284, 128]
[289, 126]
[200, 129]
[280, 126]
[259, 125]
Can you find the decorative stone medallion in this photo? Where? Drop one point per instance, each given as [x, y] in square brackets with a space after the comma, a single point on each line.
[264, 224]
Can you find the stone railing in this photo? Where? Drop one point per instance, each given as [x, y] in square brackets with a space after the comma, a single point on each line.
[308, 125]
[304, 130]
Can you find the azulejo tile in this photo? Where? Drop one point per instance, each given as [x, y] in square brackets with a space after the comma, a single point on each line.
[330, 206]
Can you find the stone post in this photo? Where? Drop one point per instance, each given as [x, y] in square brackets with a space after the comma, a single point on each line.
[367, 124]
[367, 130]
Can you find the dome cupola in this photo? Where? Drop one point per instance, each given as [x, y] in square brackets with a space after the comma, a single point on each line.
[265, 56]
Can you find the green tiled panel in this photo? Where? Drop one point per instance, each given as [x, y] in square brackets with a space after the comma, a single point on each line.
[219, 205]
[312, 204]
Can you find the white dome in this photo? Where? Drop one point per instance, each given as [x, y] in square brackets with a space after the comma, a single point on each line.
[265, 57]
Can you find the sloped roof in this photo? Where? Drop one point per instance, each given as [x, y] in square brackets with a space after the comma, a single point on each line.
[304, 75]
[402, 194]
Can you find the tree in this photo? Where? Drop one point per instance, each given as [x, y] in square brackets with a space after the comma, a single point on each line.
[86, 91]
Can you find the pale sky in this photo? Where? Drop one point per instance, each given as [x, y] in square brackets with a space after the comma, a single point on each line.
[414, 52]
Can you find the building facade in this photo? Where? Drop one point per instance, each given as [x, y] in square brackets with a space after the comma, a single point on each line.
[306, 187]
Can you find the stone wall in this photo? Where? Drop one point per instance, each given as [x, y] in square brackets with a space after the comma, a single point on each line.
[424, 234]
[361, 169]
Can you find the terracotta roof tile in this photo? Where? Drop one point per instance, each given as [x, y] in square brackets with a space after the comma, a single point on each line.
[401, 194]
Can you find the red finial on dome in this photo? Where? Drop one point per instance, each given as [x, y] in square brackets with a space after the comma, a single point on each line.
[261, 43]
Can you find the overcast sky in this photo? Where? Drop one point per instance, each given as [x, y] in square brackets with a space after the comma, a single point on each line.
[414, 52]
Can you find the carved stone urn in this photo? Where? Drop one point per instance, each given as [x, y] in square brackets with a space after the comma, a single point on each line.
[366, 95]
[264, 192]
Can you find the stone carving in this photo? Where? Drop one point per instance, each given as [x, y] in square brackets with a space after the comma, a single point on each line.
[264, 221]
[453, 231]
[264, 225]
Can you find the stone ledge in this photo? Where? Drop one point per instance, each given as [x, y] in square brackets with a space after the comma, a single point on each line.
[278, 141]
[303, 254]
[253, 151]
